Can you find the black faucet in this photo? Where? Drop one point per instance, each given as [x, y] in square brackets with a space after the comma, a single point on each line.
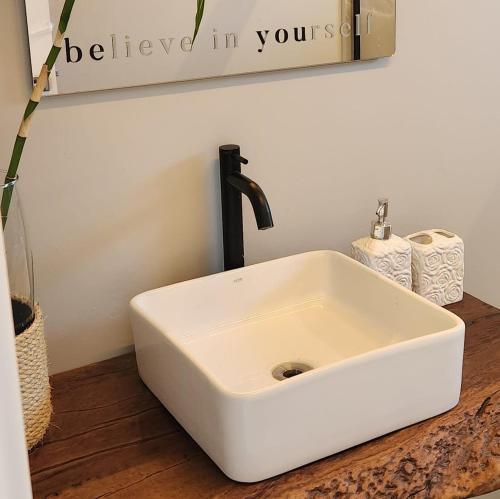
[233, 184]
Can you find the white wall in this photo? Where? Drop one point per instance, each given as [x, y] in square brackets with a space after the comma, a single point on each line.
[15, 480]
[121, 187]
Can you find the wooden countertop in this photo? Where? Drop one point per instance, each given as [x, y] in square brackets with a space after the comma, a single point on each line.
[110, 437]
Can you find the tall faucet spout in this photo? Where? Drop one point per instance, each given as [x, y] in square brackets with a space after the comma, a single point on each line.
[257, 198]
[232, 185]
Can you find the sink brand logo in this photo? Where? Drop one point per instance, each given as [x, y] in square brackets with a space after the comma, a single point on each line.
[127, 47]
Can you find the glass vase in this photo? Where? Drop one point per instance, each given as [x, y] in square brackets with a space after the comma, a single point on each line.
[19, 256]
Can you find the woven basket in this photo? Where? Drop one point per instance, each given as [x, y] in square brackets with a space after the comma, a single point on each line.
[34, 380]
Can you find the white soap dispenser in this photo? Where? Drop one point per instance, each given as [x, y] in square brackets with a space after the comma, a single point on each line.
[383, 251]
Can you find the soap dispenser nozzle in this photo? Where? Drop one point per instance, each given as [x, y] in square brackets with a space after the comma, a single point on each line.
[380, 228]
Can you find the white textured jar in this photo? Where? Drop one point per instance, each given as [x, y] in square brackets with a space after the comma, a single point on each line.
[438, 265]
[391, 257]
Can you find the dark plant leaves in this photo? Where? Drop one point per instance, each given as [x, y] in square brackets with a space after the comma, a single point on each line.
[199, 16]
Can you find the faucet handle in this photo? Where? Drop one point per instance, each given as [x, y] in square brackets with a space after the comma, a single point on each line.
[241, 159]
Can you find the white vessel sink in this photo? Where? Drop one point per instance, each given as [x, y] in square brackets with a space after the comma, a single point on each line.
[381, 358]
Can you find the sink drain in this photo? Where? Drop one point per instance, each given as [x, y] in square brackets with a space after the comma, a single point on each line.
[289, 370]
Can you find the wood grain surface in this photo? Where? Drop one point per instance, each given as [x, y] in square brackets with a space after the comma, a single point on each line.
[110, 437]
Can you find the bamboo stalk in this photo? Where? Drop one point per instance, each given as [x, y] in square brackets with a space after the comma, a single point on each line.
[35, 98]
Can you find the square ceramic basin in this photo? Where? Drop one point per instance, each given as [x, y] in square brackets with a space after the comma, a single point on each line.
[275, 365]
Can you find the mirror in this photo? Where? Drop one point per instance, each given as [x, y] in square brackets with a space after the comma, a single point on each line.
[123, 43]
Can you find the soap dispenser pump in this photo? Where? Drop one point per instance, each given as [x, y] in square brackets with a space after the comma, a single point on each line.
[383, 251]
[381, 230]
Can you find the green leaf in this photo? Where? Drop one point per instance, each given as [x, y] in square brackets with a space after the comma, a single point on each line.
[199, 16]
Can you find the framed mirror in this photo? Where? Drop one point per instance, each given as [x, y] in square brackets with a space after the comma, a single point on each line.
[123, 43]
